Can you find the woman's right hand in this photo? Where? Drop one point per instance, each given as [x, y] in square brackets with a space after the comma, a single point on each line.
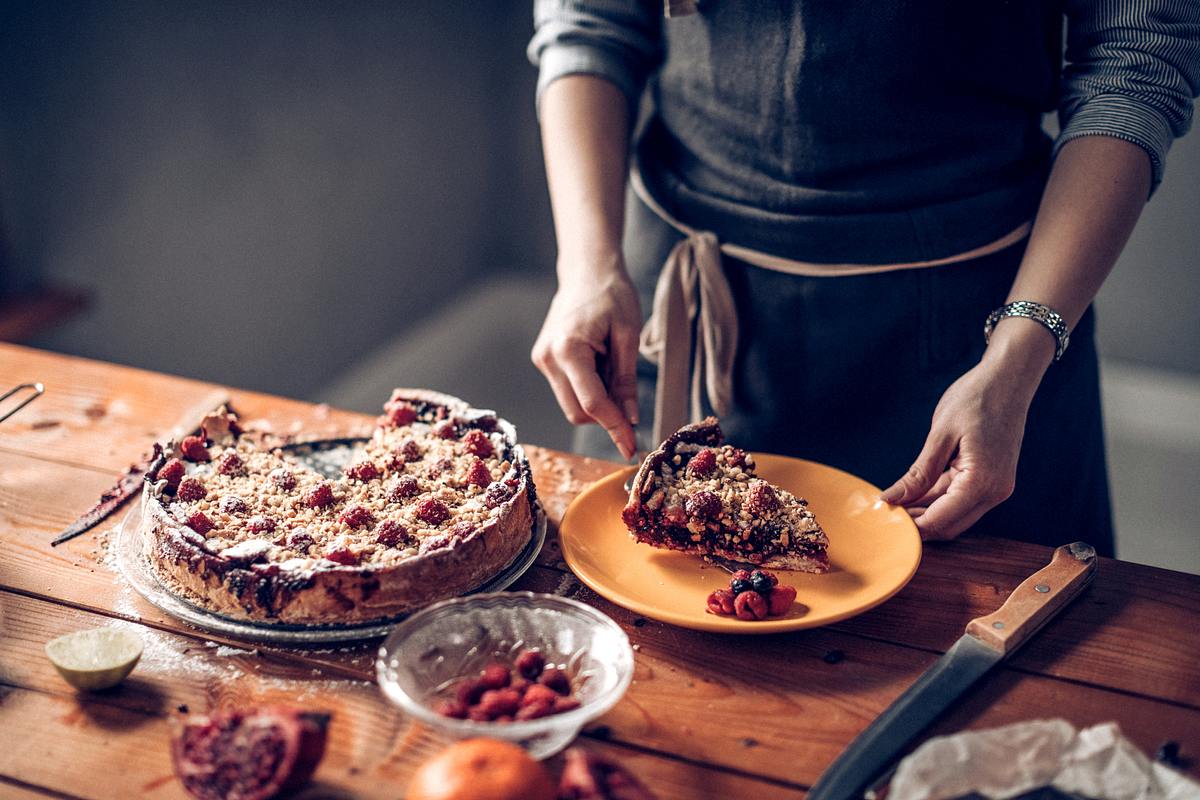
[588, 348]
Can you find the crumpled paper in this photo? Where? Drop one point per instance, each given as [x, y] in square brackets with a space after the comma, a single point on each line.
[1097, 763]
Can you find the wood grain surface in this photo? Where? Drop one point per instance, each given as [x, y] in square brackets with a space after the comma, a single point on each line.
[706, 716]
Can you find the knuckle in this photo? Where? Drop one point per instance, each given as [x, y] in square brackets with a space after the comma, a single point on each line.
[591, 404]
[577, 417]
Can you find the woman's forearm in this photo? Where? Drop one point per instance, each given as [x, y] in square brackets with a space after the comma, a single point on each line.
[1095, 193]
[585, 131]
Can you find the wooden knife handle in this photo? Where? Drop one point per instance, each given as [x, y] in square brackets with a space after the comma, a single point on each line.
[1039, 597]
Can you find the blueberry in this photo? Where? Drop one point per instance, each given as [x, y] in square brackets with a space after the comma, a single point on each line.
[760, 583]
[737, 585]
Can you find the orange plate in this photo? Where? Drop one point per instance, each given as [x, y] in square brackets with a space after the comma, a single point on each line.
[874, 550]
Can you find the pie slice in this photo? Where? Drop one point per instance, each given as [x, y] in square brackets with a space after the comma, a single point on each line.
[699, 495]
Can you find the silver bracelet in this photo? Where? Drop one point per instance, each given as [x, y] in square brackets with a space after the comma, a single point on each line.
[1035, 311]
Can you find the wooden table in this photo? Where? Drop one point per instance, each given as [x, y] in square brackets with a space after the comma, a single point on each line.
[707, 716]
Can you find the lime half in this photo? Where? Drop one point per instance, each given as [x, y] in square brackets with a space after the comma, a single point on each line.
[99, 658]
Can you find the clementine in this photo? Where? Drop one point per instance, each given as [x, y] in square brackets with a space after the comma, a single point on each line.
[481, 769]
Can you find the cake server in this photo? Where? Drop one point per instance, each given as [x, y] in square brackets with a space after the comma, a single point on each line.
[988, 641]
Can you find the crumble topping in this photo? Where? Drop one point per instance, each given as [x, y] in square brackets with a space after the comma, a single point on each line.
[413, 487]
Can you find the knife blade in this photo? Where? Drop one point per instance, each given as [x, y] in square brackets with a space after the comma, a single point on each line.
[130, 483]
[987, 641]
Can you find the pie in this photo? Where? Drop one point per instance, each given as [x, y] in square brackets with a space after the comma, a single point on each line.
[699, 495]
[436, 502]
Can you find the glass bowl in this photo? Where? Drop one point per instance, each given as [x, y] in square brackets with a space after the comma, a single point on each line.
[457, 638]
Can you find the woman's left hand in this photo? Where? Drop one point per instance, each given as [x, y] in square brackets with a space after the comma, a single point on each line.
[969, 463]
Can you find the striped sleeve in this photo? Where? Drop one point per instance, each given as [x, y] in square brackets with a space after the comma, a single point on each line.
[619, 40]
[1133, 68]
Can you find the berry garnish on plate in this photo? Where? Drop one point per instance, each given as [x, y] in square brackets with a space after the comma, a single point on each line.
[752, 595]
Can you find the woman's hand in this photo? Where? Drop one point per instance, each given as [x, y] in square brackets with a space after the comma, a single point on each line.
[588, 348]
[969, 463]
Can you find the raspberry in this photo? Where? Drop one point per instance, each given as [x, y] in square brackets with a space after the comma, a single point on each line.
[399, 413]
[231, 464]
[721, 602]
[781, 600]
[499, 702]
[562, 704]
[446, 430]
[479, 474]
[232, 504]
[761, 498]
[410, 451]
[403, 488]
[260, 524]
[282, 478]
[461, 530]
[357, 517]
[363, 471]
[477, 714]
[468, 691]
[172, 472]
[495, 676]
[735, 457]
[191, 490]
[520, 684]
[343, 555]
[703, 463]
[452, 708]
[478, 443]
[320, 497]
[530, 664]
[750, 606]
[740, 575]
[391, 533]
[432, 511]
[194, 449]
[554, 678]
[538, 695]
[497, 494]
[300, 540]
[200, 523]
[703, 505]
[535, 710]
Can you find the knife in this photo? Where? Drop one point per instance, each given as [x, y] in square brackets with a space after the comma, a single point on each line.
[988, 641]
[130, 483]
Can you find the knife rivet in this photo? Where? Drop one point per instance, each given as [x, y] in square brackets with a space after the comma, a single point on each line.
[998, 625]
[1041, 587]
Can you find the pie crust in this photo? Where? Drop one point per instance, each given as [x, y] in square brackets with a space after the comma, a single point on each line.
[281, 551]
[722, 511]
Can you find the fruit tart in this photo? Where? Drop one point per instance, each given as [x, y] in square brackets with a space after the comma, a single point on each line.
[699, 495]
[436, 502]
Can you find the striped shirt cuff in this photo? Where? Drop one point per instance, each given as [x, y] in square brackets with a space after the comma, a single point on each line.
[1125, 118]
[559, 60]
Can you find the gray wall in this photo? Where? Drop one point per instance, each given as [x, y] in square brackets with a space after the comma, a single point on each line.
[258, 193]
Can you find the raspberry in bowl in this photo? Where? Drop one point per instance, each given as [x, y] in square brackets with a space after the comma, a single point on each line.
[436, 660]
